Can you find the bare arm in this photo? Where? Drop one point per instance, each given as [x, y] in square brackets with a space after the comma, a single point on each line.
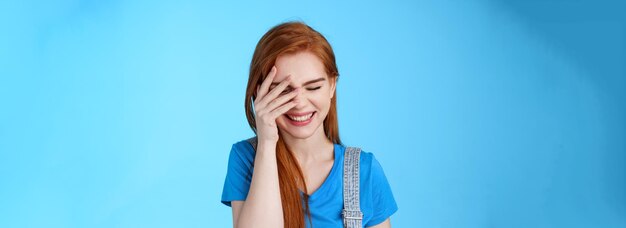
[263, 207]
[236, 206]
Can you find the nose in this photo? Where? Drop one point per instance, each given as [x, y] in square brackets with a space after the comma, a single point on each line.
[300, 98]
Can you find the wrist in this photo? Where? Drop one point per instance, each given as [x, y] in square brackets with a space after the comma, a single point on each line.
[266, 146]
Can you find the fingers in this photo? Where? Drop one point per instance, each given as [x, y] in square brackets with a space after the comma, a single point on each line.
[265, 86]
[274, 93]
[281, 100]
[282, 109]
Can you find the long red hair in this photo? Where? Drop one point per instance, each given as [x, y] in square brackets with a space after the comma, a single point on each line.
[288, 38]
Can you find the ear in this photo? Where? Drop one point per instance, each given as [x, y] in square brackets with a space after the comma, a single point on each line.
[333, 85]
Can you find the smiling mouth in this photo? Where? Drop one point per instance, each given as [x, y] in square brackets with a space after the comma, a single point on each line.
[301, 118]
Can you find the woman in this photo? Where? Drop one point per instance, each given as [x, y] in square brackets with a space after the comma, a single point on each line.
[297, 156]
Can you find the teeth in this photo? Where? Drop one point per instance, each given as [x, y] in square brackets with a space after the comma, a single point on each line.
[300, 118]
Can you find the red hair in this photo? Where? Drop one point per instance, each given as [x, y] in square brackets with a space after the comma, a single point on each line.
[289, 38]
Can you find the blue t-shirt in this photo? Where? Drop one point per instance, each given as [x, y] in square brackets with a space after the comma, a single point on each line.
[326, 203]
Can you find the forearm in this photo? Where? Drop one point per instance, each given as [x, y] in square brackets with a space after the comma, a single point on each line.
[263, 207]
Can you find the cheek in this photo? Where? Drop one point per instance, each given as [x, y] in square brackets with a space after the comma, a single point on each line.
[281, 122]
[321, 100]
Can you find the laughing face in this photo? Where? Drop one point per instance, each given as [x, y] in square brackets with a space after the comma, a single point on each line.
[316, 90]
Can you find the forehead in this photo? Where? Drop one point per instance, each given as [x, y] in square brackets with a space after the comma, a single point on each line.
[302, 66]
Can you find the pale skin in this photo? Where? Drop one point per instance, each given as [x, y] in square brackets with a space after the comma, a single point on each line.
[297, 83]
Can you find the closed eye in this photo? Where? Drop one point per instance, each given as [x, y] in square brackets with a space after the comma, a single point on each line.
[287, 90]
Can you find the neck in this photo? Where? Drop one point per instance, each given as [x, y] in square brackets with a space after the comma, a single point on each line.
[317, 147]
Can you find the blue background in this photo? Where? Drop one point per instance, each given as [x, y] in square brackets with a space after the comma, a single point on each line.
[482, 113]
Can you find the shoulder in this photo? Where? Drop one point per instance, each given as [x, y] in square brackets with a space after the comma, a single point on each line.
[245, 145]
[370, 168]
[242, 151]
[366, 156]
[367, 161]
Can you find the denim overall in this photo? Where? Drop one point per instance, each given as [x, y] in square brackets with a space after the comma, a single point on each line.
[352, 215]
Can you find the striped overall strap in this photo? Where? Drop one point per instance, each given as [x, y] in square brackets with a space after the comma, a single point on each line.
[352, 215]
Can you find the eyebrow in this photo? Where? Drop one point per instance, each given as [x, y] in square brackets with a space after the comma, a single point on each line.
[306, 83]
